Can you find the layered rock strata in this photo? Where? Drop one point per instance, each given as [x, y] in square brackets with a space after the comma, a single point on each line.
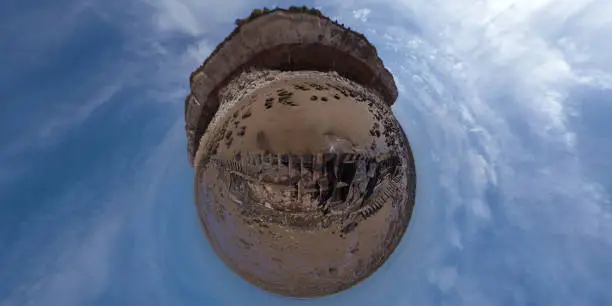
[283, 40]
[304, 180]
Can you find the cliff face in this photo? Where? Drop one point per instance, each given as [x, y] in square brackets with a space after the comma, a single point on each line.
[286, 40]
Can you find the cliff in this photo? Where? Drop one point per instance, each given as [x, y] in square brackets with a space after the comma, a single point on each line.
[291, 39]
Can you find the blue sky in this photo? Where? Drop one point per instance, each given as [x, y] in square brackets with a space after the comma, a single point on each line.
[506, 104]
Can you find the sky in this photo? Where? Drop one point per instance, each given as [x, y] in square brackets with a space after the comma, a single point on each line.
[506, 105]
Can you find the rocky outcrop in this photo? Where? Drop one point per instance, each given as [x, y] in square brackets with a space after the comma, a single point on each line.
[295, 39]
[304, 181]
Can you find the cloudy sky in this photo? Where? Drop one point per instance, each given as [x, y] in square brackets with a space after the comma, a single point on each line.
[507, 105]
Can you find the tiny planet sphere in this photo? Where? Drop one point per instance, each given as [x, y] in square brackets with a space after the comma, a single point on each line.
[304, 179]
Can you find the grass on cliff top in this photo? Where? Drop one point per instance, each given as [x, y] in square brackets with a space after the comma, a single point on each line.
[262, 12]
[293, 9]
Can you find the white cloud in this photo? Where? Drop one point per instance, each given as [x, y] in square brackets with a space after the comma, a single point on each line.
[79, 272]
[177, 15]
[51, 126]
[74, 117]
[444, 278]
[196, 18]
[197, 53]
[493, 87]
[361, 14]
[70, 257]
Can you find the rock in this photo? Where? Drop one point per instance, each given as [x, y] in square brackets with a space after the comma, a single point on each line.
[288, 40]
[305, 181]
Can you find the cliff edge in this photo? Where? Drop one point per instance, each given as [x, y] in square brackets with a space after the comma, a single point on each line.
[291, 39]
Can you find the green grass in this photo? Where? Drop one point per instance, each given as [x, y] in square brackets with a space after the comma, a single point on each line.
[293, 9]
